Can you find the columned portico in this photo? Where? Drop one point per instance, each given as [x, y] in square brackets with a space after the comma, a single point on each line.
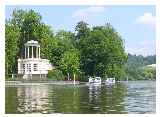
[32, 64]
[32, 50]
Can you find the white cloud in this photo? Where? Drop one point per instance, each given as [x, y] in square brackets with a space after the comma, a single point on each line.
[146, 18]
[143, 47]
[84, 14]
[141, 51]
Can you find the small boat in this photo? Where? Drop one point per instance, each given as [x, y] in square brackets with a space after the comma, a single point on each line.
[110, 81]
[95, 80]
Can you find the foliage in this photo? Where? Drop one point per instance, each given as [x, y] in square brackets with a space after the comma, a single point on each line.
[55, 75]
[29, 27]
[149, 73]
[90, 51]
[103, 53]
[69, 62]
[27, 21]
[137, 67]
[140, 60]
[65, 42]
[12, 34]
[82, 30]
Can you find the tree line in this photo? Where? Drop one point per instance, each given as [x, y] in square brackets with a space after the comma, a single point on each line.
[88, 51]
[137, 67]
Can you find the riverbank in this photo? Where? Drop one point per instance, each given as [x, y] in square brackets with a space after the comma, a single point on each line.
[48, 82]
[40, 82]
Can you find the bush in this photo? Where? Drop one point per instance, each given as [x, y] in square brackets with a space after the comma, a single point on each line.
[55, 75]
[82, 77]
[149, 73]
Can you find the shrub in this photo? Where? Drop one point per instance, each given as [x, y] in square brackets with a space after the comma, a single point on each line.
[55, 75]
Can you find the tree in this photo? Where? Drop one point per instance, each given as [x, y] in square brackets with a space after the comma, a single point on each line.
[70, 62]
[24, 26]
[27, 21]
[65, 42]
[66, 38]
[149, 73]
[31, 28]
[55, 75]
[82, 30]
[102, 51]
[12, 33]
[136, 67]
[93, 53]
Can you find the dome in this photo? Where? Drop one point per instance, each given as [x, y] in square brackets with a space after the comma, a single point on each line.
[31, 43]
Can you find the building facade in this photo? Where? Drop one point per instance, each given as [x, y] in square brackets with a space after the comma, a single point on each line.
[32, 67]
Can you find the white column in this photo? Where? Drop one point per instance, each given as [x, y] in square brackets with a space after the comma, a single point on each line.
[74, 79]
[25, 51]
[68, 76]
[39, 52]
[32, 52]
[36, 52]
[25, 70]
[28, 52]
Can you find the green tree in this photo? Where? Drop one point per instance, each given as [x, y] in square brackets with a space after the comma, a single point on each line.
[65, 42]
[66, 38]
[31, 28]
[149, 73]
[12, 33]
[93, 53]
[27, 21]
[70, 62]
[103, 53]
[136, 67]
[28, 26]
[82, 30]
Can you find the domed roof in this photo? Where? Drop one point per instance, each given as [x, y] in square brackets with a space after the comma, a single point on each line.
[32, 43]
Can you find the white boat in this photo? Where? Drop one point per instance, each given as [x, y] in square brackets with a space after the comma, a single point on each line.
[110, 81]
[95, 80]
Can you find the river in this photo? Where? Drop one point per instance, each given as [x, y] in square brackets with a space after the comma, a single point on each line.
[124, 97]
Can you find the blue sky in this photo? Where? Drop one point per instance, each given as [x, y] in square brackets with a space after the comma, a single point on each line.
[135, 24]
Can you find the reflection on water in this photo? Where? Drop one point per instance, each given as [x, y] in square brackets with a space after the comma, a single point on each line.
[127, 97]
[27, 99]
[94, 93]
[32, 98]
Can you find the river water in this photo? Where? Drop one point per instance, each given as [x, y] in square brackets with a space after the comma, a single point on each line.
[123, 97]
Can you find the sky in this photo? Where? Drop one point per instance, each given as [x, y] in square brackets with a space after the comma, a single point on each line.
[135, 24]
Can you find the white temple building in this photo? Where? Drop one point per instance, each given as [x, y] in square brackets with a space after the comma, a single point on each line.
[32, 67]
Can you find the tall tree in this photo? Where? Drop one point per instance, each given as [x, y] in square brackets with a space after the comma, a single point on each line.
[12, 33]
[82, 30]
[136, 67]
[27, 21]
[103, 53]
[93, 53]
[65, 42]
[29, 26]
[70, 62]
